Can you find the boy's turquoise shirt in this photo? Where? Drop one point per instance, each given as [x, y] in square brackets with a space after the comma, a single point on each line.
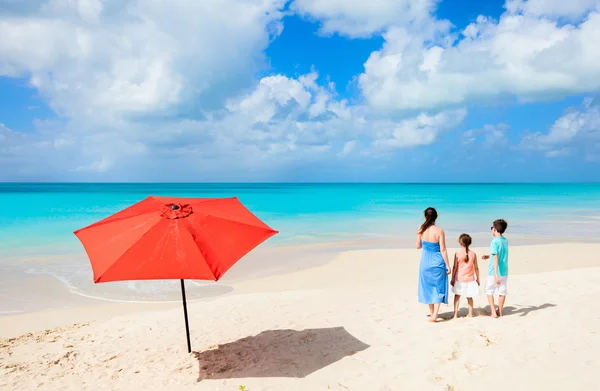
[499, 246]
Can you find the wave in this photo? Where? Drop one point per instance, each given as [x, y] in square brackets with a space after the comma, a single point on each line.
[130, 285]
[88, 296]
[12, 312]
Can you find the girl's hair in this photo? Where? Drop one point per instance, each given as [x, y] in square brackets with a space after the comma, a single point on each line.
[430, 217]
[466, 241]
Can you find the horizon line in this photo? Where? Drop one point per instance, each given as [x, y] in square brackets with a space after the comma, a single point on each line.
[286, 183]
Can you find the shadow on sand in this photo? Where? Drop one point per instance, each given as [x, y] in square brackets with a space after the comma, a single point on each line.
[278, 353]
[508, 311]
[524, 310]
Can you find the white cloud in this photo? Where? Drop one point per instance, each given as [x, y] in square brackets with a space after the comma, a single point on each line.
[530, 52]
[99, 166]
[106, 59]
[294, 114]
[575, 130]
[161, 90]
[421, 130]
[273, 94]
[25, 155]
[349, 147]
[62, 143]
[561, 152]
[363, 18]
[282, 123]
[571, 10]
[10, 141]
[523, 54]
[488, 136]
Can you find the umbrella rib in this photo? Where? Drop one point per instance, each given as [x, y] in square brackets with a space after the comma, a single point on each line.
[266, 228]
[106, 221]
[186, 231]
[256, 225]
[208, 262]
[210, 200]
[190, 231]
[196, 201]
[128, 249]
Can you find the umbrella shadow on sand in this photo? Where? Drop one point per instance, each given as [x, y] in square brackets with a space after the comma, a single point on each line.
[278, 353]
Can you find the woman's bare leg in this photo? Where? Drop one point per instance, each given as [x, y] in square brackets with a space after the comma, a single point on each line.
[470, 303]
[430, 309]
[456, 303]
[436, 309]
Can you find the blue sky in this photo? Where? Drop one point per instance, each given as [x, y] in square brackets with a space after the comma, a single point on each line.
[301, 90]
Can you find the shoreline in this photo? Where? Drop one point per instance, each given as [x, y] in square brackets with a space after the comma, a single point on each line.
[341, 240]
[271, 282]
[264, 261]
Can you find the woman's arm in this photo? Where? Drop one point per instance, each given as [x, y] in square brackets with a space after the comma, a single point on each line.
[476, 269]
[444, 250]
[419, 243]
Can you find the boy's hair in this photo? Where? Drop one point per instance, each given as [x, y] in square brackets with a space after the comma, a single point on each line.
[500, 225]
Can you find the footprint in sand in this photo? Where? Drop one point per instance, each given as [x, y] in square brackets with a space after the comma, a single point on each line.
[455, 353]
[470, 367]
[486, 340]
[452, 356]
[448, 387]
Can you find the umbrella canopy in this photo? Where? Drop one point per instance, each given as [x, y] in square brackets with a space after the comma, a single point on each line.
[172, 238]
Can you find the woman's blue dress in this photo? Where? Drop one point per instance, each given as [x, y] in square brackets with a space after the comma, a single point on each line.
[433, 280]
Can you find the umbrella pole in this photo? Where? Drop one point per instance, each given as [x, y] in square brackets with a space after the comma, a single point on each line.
[187, 327]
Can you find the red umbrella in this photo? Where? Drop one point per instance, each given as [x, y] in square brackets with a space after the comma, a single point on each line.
[172, 238]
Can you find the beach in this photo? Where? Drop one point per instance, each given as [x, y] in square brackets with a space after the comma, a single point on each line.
[351, 323]
[330, 303]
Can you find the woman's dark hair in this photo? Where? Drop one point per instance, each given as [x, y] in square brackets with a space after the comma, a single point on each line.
[430, 217]
[466, 241]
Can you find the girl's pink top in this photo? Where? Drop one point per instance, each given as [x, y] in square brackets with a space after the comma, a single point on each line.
[466, 270]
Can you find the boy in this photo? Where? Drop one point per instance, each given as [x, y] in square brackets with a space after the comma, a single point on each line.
[497, 267]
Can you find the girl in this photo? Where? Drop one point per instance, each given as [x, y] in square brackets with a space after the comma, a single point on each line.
[465, 275]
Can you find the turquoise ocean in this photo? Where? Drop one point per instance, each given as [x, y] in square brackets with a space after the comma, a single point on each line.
[37, 220]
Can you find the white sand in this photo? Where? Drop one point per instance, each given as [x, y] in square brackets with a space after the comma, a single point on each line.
[352, 324]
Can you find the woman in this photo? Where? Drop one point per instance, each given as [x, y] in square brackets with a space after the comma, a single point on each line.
[434, 268]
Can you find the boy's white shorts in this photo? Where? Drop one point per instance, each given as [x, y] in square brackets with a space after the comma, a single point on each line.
[491, 288]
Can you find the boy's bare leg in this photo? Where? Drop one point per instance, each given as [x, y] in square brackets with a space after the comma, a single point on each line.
[493, 313]
[436, 309]
[456, 302]
[501, 300]
[470, 303]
